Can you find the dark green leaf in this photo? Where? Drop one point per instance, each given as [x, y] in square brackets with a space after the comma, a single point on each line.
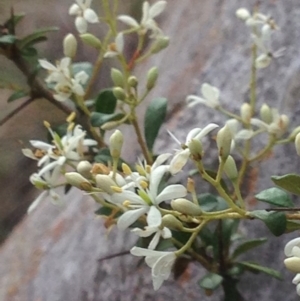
[29, 53]
[207, 201]
[12, 22]
[7, 39]
[104, 211]
[164, 244]
[36, 37]
[248, 245]
[275, 221]
[254, 267]
[182, 237]
[98, 119]
[17, 95]
[228, 227]
[106, 102]
[211, 281]
[275, 196]
[291, 226]
[290, 182]
[154, 118]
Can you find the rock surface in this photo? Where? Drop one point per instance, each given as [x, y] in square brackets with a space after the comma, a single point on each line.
[53, 254]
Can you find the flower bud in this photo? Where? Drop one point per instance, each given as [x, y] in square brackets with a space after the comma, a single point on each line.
[117, 77]
[230, 168]
[186, 207]
[84, 168]
[263, 61]
[152, 76]
[266, 114]
[115, 144]
[160, 44]
[246, 112]
[119, 93]
[292, 264]
[294, 133]
[77, 180]
[196, 149]
[224, 138]
[90, 40]
[297, 144]
[171, 222]
[132, 81]
[105, 183]
[70, 45]
[243, 14]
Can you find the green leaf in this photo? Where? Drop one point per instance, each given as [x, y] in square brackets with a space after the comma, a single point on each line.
[11, 23]
[36, 37]
[291, 226]
[275, 196]
[229, 228]
[275, 221]
[289, 182]
[248, 245]
[106, 102]
[211, 281]
[7, 39]
[154, 118]
[87, 67]
[98, 119]
[17, 95]
[207, 201]
[29, 53]
[254, 267]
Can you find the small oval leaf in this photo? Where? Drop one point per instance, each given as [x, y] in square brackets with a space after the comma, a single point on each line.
[275, 196]
[211, 281]
[154, 118]
[289, 182]
[106, 102]
[248, 245]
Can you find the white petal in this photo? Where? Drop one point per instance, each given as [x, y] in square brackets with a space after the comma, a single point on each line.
[155, 179]
[136, 251]
[47, 168]
[296, 251]
[81, 24]
[179, 160]
[41, 145]
[173, 137]
[210, 127]
[78, 89]
[298, 289]
[90, 16]
[120, 42]
[170, 192]
[128, 20]
[153, 217]
[48, 66]
[166, 233]
[289, 246]
[36, 202]
[244, 134]
[154, 242]
[296, 279]
[263, 61]
[61, 96]
[129, 217]
[233, 125]
[81, 77]
[157, 8]
[192, 134]
[193, 100]
[160, 159]
[210, 93]
[65, 63]
[27, 152]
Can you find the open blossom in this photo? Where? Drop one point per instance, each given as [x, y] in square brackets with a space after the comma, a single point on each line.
[69, 148]
[277, 126]
[210, 97]
[181, 157]
[116, 48]
[84, 14]
[64, 84]
[147, 200]
[47, 182]
[292, 251]
[161, 264]
[147, 22]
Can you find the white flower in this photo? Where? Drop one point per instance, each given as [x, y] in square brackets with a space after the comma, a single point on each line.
[47, 182]
[159, 231]
[58, 72]
[69, 148]
[147, 22]
[161, 264]
[292, 250]
[181, 157]
[117, 47]
[84, 14]
[277, 127]
[147, 200]
[210, 98]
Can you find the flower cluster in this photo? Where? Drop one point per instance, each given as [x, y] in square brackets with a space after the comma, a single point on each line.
[62, 81]
[262, 27]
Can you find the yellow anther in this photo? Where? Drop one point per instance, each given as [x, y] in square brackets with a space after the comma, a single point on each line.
[144, 184]
[47, 124]
[126, 169]
[71, 127]
[126, 203]
[148, 169]
[116, 189]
